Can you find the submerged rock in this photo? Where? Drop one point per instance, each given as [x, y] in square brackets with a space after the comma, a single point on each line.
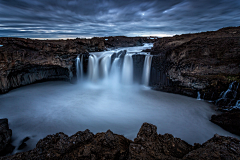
[5, 138]
[148, 145]
[23, 144]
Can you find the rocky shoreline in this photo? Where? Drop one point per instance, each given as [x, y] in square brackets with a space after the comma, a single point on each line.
[147, 145]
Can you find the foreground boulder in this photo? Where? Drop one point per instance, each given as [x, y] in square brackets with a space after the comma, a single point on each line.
[148, 145]
[5, 138]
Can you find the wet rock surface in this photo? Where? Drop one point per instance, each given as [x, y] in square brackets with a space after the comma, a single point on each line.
[147, 145]
[5, 138]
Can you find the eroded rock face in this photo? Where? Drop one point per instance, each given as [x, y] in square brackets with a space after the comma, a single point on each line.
[5, 138]
[148, 145]
[204, 62]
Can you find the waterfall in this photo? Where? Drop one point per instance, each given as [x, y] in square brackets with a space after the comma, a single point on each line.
[112, 68]
[127, 70]
[115, 71]
[227, 97]
[199, 96]
[79, 67]
[105, 65]
[146, 70]
[93, 68]
[229, 90]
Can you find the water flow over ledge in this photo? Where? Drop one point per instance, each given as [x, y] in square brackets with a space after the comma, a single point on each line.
[116, 66]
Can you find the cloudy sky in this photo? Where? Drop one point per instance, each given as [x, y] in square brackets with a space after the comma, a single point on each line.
[89, 18]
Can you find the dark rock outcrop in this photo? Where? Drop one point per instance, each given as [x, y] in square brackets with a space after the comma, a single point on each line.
[5, 138]
[206, 62]
[148, 145]
[228, 121]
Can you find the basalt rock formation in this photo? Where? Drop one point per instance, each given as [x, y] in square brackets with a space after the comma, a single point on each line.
[5, 138]
[203, 62]
[148, 145]
[25, 61]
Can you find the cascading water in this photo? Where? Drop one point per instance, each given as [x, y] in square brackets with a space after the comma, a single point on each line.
[229, 90]
[199, 96]
[146, 70]
[228, 97]
[101, 68]
[127, 71]
[93, 68]
[105, 65]
[79, 67]
[115, 71]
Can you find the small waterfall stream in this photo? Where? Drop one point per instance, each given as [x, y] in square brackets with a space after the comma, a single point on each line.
[228, 97]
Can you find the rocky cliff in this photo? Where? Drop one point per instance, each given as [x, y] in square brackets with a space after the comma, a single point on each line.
[147, 146]
[204, 62]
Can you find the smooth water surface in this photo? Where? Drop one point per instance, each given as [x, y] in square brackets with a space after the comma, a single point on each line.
[41, 109]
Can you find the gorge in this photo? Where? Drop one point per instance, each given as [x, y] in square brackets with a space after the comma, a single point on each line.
[111, 89]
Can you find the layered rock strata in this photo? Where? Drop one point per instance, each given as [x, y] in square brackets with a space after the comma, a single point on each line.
[148, 145]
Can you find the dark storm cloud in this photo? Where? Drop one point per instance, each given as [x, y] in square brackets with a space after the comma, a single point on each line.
[87, 18]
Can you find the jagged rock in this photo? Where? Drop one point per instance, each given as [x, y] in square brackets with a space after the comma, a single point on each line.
[229, 121]
[150, 145]
[218, 147]
[5, 138]
[147, 146]
[174, 146]
[104, 146]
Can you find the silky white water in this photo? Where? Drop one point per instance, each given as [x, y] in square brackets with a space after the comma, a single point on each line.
[38, 110]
